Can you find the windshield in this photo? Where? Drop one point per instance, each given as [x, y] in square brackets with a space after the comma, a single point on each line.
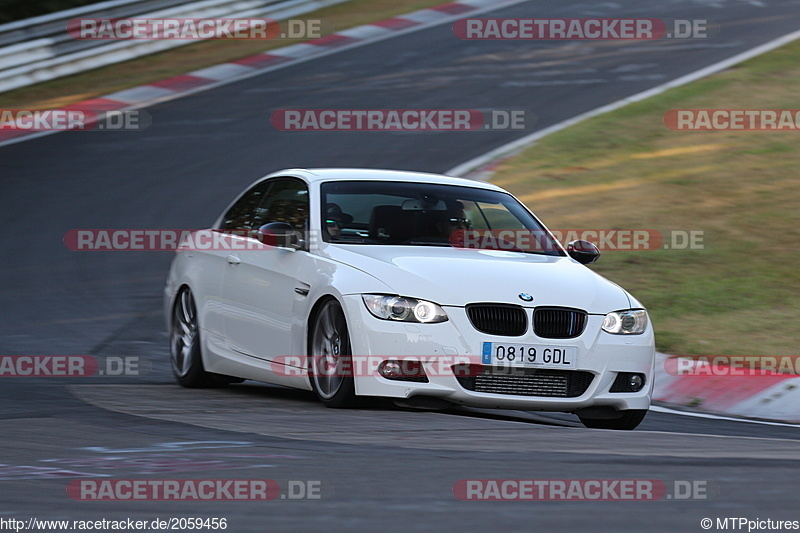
[422, 214]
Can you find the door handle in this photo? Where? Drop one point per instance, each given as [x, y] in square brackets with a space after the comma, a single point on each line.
[233, 260]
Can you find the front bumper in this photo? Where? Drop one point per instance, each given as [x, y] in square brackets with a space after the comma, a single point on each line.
[443, 345]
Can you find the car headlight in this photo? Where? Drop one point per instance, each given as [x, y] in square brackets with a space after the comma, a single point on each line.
[403, 309]
[630, 322]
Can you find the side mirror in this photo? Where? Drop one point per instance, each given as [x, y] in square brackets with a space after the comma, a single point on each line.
[278, 234]
[583, 252]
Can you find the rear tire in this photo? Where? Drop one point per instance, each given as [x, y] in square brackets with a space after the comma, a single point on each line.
[331, 362]
[628, 421]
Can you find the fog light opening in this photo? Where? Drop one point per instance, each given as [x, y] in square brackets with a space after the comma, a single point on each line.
[405, 370]
[628, 382]
[390, 369]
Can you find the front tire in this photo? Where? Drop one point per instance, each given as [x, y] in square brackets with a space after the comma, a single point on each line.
[330, 364]
[185, 351]
[628, 421]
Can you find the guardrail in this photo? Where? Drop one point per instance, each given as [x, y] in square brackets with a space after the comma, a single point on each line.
[40, 49]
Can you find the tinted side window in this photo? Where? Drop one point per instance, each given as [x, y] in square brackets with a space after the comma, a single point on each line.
[243, 215]
[286, 201]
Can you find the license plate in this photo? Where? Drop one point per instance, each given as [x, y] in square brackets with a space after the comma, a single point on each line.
[528, 355]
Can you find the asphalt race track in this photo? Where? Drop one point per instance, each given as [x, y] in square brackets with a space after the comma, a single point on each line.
[380, 468]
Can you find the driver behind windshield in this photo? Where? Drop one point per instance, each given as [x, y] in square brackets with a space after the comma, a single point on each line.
[452, 220]
[335, 219]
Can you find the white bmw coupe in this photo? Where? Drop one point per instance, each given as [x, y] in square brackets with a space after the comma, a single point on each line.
[427, 289]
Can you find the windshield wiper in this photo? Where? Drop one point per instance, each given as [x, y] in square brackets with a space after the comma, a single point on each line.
[426, 243]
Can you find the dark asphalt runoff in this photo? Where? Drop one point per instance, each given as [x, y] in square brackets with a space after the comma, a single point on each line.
[382, 468]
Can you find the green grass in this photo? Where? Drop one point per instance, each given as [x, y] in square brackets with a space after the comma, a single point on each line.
[626, 169]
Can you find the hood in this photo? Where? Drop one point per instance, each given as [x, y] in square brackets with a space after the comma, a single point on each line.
[457, 276]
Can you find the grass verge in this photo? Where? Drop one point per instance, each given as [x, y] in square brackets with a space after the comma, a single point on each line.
[147, 69]
[626, 169]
